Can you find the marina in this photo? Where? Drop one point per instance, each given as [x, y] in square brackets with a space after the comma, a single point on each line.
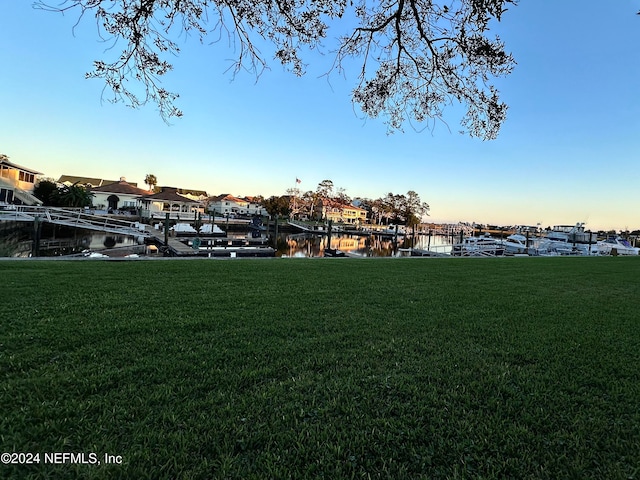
[117, 237]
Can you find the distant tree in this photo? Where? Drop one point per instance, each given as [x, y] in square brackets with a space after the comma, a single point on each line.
[277, 206]
[310, 201]
[74, 196]
[416, 56]
[342, 197]
[151, 180]
[46, 191]
[325, 189]
[407, 209]
[414, 209]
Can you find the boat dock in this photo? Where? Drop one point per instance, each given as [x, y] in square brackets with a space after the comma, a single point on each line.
[194, 246]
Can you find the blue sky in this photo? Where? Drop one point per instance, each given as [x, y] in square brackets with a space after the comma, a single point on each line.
[568, 152]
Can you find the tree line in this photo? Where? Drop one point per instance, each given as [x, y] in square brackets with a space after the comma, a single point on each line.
[407, 209]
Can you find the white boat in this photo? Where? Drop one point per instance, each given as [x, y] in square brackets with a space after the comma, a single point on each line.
[516, 244]
[569, 240]
[484, 246]
[211, 229]
[183, 228]
[571, 234]
[617, 246]
[392, 229]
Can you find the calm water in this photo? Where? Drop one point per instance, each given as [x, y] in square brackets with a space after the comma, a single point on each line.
[288, 245]
[308, 245]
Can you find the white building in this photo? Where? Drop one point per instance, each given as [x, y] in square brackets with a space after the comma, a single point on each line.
[16, 183]
[117, 196]
[227, 204]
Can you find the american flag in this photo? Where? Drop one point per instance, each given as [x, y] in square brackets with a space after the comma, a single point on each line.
[298, 180]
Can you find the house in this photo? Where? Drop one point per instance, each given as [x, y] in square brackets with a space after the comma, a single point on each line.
[227, 204]
[341, 213]
[183, 206]
[354, 215]
[16, 183]
[117, 196]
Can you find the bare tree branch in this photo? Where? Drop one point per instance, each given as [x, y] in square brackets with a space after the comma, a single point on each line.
[417, 56]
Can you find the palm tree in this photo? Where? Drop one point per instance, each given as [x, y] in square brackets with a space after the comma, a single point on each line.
[151, 180]
[75, 196]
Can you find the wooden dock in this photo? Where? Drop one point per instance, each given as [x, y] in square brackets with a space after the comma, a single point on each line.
[211, 246]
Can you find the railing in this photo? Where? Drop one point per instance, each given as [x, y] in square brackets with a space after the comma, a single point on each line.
[316, 228]
[72, 218]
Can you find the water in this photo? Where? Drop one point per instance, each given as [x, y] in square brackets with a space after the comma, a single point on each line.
[288, 244]
[86, 240]
[309, 245]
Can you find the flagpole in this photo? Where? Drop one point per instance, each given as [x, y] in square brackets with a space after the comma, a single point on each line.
[295, 196]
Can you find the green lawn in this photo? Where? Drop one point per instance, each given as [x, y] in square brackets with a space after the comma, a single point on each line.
[323, 368]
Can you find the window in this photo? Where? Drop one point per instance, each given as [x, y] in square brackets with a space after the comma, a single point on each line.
[25, 177]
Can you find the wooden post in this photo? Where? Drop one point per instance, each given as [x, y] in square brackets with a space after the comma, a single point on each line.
[275, 237]
[166, 229]
[37, 229]
[329, 227]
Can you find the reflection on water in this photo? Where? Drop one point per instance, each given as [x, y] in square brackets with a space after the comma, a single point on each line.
[85, 240]
[288, 245]
[310, 245]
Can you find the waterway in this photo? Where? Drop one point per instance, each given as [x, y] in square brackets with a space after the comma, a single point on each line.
[294, 245]
[309, 245]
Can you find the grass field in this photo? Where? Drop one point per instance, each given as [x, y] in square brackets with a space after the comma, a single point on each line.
[323, 368]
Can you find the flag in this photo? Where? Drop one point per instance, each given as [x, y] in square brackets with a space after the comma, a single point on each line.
[298, 180]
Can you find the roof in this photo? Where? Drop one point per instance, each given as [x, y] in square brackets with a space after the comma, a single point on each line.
[329, 202]
[122, 188]
[353, 207]
[229, 197]
[186, 191]
[94, 182]
[169, 195]
[4, 161]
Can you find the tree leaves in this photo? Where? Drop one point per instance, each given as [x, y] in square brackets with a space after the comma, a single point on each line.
[417, 56]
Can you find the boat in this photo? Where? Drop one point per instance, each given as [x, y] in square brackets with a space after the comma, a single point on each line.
[569, 240]
[183, 228]
[483, 246]
[617, 246]
[211, 229]
[393, 229]
[334, 252]
[570, 234]
[516, 244]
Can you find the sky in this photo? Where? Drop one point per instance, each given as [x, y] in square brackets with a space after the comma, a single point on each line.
[568, 152]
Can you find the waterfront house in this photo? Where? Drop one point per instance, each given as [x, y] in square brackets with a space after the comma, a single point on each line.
[16, 183]
[227, 204]
[342, 213]
[254, 206]
[353, 215]
[121, 195]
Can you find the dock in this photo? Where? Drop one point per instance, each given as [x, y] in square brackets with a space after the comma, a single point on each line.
[210, 246]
